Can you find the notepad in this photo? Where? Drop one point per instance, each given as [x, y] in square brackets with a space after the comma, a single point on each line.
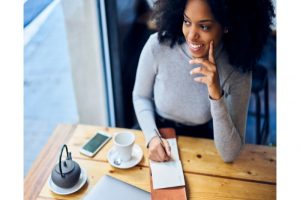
[168, 174]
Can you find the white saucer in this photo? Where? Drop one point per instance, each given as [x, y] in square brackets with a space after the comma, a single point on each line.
[137, 155]
[63, 191]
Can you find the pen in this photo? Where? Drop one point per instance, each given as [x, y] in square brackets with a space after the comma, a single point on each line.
[161, 142]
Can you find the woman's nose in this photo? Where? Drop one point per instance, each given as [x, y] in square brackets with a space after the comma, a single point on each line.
[193, 34]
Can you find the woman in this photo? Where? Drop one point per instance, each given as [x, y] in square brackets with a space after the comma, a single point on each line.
[196, 71]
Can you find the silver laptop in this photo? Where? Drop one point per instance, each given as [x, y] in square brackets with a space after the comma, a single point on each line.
[109, 188]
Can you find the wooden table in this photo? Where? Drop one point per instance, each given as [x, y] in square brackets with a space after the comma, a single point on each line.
[251, 176]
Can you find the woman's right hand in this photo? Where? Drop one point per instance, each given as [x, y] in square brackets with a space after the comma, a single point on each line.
[157, 152]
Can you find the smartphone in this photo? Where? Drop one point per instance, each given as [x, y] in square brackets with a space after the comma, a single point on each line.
[93, 145]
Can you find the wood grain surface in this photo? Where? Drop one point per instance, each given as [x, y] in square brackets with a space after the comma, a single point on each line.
[251, 176]
[255, 162]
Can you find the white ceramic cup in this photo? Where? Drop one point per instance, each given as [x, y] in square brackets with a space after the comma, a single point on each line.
[123, 142]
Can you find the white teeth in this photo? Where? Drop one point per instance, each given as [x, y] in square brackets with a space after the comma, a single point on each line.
[196, 46]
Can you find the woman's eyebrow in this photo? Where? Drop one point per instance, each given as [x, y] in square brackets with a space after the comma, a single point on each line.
[200, 21]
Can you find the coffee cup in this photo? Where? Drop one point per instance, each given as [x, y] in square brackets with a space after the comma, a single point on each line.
[123, 142]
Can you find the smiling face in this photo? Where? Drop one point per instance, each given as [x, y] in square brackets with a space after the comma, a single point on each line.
[200, 28]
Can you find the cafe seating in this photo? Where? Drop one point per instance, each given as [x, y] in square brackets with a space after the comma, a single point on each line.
[260, 86]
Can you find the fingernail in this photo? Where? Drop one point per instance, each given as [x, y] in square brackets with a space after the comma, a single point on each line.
[191, 72]
[191, 61]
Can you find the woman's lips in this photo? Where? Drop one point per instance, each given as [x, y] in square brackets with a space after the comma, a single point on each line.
[196, 47]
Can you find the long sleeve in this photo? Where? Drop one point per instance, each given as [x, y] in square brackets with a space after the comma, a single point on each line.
[163, 75]
[143, 91]
[230, 116]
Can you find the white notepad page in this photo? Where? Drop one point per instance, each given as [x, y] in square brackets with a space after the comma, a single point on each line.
[168, 174]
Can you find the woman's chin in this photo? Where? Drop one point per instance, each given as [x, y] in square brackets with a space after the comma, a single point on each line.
[198, 55]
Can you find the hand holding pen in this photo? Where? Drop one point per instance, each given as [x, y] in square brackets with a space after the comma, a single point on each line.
[159, 149]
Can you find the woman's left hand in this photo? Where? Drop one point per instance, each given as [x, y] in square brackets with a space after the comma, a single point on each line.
[209, 69]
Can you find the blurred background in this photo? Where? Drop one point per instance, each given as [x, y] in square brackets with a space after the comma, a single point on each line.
[80, 60]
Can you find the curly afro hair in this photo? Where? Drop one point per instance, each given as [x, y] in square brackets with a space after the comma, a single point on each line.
[248, 23]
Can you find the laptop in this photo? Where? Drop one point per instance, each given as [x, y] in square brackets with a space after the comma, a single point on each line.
[109, 188]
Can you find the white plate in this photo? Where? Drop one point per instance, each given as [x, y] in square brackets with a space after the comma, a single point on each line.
[63, 191]
[136, 157]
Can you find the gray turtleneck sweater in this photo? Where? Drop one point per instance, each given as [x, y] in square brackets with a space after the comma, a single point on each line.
[164, 85]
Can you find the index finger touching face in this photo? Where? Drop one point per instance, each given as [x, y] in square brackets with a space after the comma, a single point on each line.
[211, 56]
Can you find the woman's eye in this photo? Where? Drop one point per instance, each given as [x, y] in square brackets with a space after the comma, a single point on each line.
[204, 27]
[186, 22]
